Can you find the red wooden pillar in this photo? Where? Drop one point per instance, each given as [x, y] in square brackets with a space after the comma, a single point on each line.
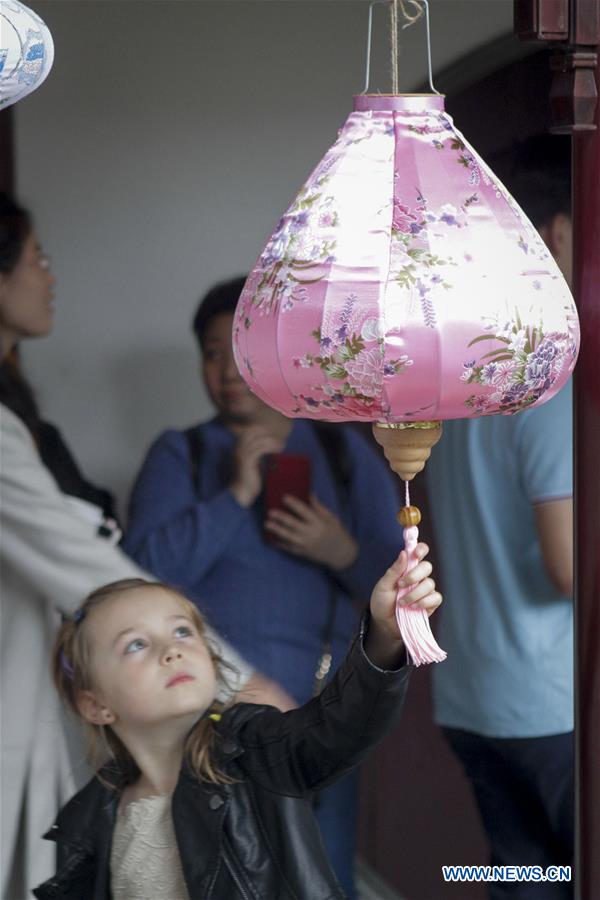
[586, 198]
[573, 26]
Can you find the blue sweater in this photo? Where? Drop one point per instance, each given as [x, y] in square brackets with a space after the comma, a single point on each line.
[270, 605]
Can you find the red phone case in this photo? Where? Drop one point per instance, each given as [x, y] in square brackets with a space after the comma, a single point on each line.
[286, 473]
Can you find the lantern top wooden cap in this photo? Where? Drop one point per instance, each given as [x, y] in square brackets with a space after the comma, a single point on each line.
[398, 102]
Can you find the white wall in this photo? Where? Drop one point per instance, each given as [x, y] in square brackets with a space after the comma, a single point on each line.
[157, 157]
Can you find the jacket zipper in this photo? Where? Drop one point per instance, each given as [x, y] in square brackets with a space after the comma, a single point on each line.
[234, 870]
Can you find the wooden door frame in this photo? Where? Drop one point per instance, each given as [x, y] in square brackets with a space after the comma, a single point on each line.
[572, 29]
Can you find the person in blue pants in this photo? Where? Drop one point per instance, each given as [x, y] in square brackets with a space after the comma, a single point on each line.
[504, 697]
[197, 520]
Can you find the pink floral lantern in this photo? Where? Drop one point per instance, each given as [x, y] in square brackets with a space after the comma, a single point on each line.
[404, 286]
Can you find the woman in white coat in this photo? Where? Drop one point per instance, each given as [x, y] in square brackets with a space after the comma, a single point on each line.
[56, 545]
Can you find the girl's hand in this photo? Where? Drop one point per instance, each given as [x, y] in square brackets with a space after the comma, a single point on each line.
[384, 639]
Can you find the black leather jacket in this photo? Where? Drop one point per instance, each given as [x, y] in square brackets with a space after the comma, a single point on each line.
[256, 839]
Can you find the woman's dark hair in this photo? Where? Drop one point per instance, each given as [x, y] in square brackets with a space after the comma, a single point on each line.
[15, 226]
[15, 393]
[221, 298]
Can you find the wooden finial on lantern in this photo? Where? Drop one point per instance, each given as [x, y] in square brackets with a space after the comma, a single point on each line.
[407, 445]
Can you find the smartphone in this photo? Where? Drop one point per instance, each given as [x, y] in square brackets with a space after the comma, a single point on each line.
[286, 473]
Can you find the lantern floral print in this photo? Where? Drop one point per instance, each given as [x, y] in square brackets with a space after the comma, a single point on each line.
[359, 128]
[412, 264]
[521, 370]
[303, 240]
[355, 366]
[443, 136]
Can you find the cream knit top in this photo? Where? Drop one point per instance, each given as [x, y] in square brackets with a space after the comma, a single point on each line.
[144, 861]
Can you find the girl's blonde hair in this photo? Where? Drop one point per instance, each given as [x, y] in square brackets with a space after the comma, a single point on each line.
[71, 669]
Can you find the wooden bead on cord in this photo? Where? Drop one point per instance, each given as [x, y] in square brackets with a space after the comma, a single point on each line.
[409, 516]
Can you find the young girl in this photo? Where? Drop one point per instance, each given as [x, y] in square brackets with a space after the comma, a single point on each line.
[198, 801]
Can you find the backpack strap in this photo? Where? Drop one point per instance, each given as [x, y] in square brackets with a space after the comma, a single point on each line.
[335, 446]
[195, 443]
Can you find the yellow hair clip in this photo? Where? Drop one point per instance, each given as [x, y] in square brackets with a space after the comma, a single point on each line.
[216, 717]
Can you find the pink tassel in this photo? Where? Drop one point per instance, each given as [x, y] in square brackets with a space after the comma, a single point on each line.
[419, 641]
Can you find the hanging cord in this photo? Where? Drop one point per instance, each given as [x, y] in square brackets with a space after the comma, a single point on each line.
[394, 44]
[409, 19]
[418, 7]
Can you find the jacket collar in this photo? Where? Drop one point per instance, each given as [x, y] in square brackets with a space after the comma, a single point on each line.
[96, 805]
[88, 813]
[84, 829]
[195, 802]
[86, 825]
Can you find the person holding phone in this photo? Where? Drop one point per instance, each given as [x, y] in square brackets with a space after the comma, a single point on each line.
[276, 528]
